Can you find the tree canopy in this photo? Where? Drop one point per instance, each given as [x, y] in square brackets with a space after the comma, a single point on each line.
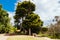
[22, 10]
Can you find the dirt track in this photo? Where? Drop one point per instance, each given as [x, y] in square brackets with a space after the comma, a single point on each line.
[2, 37]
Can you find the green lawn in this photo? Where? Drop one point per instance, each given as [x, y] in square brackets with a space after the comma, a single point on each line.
[23, 38]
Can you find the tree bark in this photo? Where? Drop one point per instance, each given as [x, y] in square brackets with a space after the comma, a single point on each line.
[29, 31]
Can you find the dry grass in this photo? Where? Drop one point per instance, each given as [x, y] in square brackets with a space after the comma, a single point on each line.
[24, 38]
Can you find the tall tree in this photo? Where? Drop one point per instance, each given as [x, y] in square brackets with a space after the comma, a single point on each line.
[22, 10]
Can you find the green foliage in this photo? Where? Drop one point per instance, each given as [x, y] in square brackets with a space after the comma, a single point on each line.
[7, 29]
[22, 10]
[32, 21]
[1, 28]
[5, 25]
[56, 36]
[43, 35]
[0, 7]
[28, 6]
[12, 30]
[44, 29]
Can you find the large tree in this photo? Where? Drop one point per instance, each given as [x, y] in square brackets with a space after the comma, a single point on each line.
[22, 10]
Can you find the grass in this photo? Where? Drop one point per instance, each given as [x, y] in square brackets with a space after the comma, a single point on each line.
[43, 35]
[24, 38]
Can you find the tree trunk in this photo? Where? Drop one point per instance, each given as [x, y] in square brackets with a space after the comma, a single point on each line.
[29, 31]
[21, 23]
[21, 28]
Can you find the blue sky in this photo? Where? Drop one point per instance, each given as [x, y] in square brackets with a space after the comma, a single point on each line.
[46, 9]
[8, 4]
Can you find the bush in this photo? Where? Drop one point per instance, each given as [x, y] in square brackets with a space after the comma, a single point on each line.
[55, 36]
[44, 29]
[12, 30]
[43, 35]
[2, 28]
[35, 29]
[54, 31]
[7, 29]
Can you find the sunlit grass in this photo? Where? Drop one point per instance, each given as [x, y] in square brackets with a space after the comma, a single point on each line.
[24, 38]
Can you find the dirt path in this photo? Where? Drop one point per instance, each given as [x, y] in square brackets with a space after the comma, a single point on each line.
[2, 37]
[22, 37]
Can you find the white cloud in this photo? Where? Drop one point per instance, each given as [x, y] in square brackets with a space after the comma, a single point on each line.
[47, 9]
[11, 14]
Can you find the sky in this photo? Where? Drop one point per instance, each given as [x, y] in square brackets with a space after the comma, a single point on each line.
[46, 9]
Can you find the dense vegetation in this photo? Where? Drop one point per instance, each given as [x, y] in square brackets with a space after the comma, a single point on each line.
[5, 26]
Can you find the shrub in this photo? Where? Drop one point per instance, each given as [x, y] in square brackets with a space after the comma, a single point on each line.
[12, 30]
[54, 31]
[7, 29]
[44, 29]
[55, 36]
[43, 35]
[2, 28]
